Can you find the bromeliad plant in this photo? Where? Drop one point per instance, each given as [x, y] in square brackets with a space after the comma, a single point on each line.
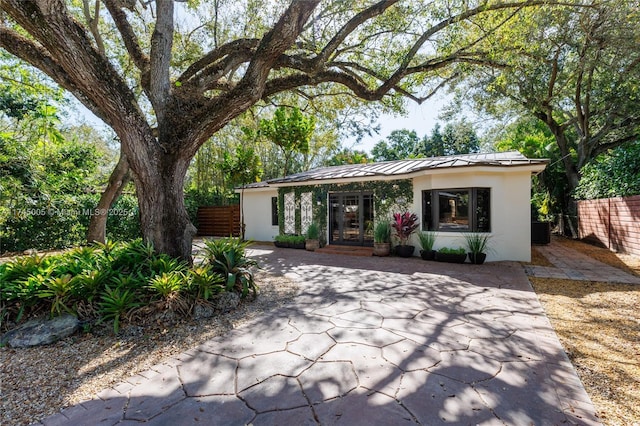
[227, 257]
[404, 224]
[109, 282]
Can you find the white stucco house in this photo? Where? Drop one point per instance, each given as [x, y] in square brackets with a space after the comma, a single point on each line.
[452, 195]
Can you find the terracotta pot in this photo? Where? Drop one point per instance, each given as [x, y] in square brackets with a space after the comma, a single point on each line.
[405, 250]
[312, 245]
[381, 249]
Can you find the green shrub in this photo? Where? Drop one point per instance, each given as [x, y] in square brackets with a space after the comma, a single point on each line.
[297, 239]
[612, 174]
[447, 250]
[313, 231]
[427, 240]
[204, 282]
[477, 242]
[115, 303]
[227, 257]
[113, 279]
[382, 232]
[168, 283]
[59, 291]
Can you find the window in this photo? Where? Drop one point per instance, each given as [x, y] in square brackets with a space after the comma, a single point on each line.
[274, 211]
[451, 210]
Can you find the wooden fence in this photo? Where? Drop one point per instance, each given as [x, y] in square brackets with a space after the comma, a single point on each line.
[219, 221]
[612, 222]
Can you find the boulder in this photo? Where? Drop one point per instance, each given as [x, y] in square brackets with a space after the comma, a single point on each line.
[41, 331]
[227, 301]
[202, 311]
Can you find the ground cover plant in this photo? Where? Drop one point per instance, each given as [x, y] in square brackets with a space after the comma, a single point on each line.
[114, 281]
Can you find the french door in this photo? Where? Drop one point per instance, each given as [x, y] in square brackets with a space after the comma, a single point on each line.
[351, 218]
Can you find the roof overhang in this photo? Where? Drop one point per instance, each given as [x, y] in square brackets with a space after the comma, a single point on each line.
[533, 167]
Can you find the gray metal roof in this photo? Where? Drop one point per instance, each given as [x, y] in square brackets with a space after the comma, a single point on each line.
[406, 167]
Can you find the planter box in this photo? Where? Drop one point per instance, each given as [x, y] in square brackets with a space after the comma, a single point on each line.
[297, 246]
[281, 244]
[451, 257]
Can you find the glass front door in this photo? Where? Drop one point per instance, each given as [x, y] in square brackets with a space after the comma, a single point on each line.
[351, 219]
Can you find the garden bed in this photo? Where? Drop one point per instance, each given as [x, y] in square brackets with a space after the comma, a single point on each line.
[39, 381]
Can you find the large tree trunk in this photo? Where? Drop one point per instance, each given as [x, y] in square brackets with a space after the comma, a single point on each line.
[117, 181]
[559, 132]
[164, 218]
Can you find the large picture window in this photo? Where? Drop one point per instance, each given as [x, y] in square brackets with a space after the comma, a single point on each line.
[456, 209]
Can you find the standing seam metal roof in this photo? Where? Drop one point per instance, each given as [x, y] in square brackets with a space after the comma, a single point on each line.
[403, 167]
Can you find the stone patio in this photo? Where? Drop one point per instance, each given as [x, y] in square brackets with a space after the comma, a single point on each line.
[384, 341]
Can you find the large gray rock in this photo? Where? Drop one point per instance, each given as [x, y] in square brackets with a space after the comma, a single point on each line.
[227, 301]
[203, 311]
[39, 332]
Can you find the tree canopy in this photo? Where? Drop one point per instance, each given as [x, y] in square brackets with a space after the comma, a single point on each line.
[614, 174]
[577, 70]
[457, 138]
[399, 145]
[166, 76]
[290, 130]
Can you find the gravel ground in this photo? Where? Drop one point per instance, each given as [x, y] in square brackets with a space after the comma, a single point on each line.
[598, 325]
[37, 382]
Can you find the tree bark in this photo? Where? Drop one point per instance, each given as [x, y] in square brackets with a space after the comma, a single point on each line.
[119, 178]
[163, 216]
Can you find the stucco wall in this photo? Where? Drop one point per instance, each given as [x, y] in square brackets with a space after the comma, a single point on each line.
[257, 215]
[510, 210]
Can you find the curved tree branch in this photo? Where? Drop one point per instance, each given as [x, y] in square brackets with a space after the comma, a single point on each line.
[80, 67]
[240, 45]
[160, 61]
[39, 57]
[223, 108]
[352, 25]
[93, 23]
[129, 38]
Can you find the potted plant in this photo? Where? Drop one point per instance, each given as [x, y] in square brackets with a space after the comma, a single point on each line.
[451, 255]
[404, 224]
[427, 239]
[382, 239]
[478, 245]
[313, 232]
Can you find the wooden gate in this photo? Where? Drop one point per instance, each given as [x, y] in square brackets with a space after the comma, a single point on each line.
[219, 221]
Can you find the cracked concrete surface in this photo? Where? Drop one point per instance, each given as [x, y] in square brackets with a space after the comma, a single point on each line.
[368, 341]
